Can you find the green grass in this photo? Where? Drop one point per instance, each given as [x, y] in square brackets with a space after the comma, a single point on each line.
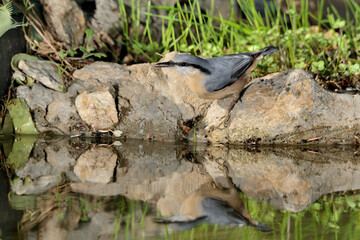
[330, 49]
[333, 216]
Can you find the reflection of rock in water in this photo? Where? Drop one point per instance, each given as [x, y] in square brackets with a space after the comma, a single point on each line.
[96, 165]
[63, 215]
[215, 205]
[289, 178]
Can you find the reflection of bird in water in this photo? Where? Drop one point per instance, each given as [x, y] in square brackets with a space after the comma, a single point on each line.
[215, 205]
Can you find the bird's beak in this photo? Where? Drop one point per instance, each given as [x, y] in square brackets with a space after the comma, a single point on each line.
[163, 64]
[269, 51]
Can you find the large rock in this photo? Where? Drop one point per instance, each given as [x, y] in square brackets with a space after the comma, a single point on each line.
[97, 108]
[66, 20]
[288, 107]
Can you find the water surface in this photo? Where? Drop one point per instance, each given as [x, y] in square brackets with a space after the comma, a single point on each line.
[73, 188]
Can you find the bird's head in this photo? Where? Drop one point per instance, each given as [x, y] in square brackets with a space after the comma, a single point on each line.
[186, 64]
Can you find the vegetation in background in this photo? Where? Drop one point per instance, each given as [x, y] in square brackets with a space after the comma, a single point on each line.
[330, 49]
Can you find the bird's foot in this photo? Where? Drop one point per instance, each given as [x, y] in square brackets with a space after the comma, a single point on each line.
[224, 120]
[226, 117]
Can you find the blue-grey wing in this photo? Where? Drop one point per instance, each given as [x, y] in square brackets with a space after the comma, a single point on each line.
[219, 212]
[181, 224]
[227, 70]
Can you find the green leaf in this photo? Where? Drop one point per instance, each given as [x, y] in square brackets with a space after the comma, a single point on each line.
[339, 24]
[354, 68]
[83, 49]
[342, 67]
[7, 125]
[7, 22]
[89, 48]
[350, 202]
[62, 54]
[316, 206]
[21, 150]
[21, 117]
[318, 66]
[22, 202]
[333, 225]
[71, 52]
[321, 65]
[89, 32]
[331, 19]
[300, 65]
[99, 55]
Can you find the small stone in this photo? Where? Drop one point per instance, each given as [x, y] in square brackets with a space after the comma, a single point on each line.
[116, 143]
[97, 108]
[117, 133]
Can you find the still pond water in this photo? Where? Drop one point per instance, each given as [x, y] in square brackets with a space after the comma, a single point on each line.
[70, 188]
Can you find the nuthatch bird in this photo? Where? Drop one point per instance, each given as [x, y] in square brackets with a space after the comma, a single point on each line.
[218, 77]
[214, 205]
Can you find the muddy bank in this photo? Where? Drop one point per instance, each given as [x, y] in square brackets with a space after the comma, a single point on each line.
[149, 103]
[289, 178]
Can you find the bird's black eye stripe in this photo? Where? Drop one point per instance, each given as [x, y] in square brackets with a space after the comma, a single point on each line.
[185, 64]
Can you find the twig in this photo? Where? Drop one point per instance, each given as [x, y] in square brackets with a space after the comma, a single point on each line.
[310, 151]
[313, 139]
[7, 102]
[159, 54]
[312, 59]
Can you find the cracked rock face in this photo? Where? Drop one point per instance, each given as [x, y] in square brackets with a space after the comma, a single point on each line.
[145, 102]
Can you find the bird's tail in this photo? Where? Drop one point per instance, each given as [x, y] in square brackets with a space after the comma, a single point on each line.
[180, 224]
[262, 227]
[264, 52]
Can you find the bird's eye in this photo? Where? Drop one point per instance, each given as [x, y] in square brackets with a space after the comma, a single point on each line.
[183, 64]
